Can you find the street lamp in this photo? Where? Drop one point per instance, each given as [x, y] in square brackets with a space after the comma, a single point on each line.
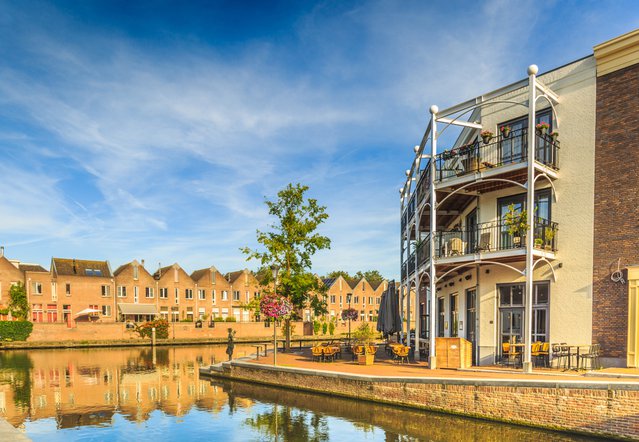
[274, 268]
[349, 296]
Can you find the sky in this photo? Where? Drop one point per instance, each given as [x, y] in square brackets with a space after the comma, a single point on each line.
[155, 130]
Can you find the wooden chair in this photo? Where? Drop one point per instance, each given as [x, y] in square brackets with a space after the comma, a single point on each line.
[456, 246]
[535, 348]
[357, 350]
[318, 353]
[484, 243]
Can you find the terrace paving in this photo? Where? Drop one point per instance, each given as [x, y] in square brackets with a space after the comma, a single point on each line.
[384, 366]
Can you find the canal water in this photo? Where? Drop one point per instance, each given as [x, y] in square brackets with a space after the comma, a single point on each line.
[154, 395]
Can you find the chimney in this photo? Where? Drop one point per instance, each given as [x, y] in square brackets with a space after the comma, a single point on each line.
[1, 251]
[74, 267]
[159, 270]
[142, 263]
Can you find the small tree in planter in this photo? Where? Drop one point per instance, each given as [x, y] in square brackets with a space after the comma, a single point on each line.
[324, 328]
[365, 335]
[316, 327]
[331, 328]
[549, 234]
[517, 223]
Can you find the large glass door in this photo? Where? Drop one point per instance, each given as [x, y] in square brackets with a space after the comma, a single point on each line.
[471, 228]
[441, 318]
[454, 316]
[512, 323]
[471, 320]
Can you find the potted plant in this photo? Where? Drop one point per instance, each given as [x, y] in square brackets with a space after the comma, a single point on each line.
[554, 135]
[365, 335]
[542, 128]
[549, 234]
[447, 155]
[486, 136]
[539, 243]
[517, 224]
[505, 131]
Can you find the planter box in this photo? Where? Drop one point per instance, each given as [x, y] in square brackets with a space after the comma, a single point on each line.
[453, 353]
[365, 359]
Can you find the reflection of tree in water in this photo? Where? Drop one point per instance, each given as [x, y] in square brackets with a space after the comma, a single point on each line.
[15, 367]
[290, 424]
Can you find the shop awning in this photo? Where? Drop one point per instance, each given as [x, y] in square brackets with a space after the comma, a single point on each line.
[138, 309]
[87, 311]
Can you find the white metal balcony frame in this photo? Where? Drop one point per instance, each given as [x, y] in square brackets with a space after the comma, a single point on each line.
[536, 91]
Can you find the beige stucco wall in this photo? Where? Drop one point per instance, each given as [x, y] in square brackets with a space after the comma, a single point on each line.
[571, 293]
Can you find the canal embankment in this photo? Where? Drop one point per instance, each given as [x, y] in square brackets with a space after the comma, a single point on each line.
[603, 408]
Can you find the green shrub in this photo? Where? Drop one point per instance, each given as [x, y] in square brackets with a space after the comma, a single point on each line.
[145, 330]
[218, 319]
[331, 328]
[231, 319]
[316, 327]
[324, 328]
[15, 330]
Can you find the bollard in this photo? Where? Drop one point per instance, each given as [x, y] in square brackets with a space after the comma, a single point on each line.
[153, 336]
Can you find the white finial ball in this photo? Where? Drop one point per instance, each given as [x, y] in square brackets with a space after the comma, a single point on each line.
[434, 109]
[533, 69]
[407, 172]
[401, 190]
[416, 148]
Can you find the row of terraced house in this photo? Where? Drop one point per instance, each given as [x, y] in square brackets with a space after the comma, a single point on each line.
[88, 290]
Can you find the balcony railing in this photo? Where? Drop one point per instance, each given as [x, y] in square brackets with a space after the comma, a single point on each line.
[492, 237]
[480, 157]
[500, 151]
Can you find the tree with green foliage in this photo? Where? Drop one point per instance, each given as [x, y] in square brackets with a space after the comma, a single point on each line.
[18, 302]
[290, 244]
[372, 276]
[338, 273]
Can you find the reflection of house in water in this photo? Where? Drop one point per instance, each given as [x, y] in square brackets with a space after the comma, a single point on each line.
[87, 387]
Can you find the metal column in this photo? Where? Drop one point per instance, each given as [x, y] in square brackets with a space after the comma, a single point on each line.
[432, 357]
[530, 207]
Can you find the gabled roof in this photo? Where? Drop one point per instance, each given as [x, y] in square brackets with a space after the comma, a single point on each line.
[80, 267]
[352, 283]
[198, 274]
[328, 282]
[164, 270]
[32, 268]
[375, 285]
[232, 276]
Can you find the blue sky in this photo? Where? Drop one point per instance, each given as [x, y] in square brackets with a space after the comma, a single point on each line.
[154, 130]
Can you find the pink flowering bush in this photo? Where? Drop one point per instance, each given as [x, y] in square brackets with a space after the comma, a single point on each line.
[350, 313]
[275, 306]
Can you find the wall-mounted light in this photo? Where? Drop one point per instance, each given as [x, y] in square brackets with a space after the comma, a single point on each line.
[487, 271]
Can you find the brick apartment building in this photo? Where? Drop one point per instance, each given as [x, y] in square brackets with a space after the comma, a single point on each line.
[570, 274]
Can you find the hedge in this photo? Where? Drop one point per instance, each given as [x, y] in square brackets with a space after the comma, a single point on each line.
[15, 330]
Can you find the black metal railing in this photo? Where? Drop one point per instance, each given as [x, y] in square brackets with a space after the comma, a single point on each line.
[499, 151]
[491, 237]
[479, 156]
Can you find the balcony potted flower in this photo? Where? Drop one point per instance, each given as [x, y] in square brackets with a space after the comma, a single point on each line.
[365, 336]
[486, 136]
[448, 154]
[505, 131]
[517, 225]
[549, 234]
[539, 243]
[554, 135]
[542, 128]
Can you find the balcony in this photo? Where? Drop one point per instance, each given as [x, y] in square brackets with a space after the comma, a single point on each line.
[503, 157]
[492, 239]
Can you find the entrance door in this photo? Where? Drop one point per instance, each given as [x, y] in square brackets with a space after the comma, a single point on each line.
[471, 228]
[471, 320]
[441, 317]
[454, 315]
[512, 323]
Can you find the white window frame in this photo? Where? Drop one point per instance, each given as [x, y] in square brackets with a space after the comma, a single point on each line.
[225, 295]
[201, 294]
[35, 285]
[121, 291]
[105, 290]
[188, 293]
[148, 293]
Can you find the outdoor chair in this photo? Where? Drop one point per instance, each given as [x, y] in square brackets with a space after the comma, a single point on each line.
[543, 354]
[329, 353]
[401, 354]
[535, 350]
[357, 350]
[456, 246]
[592, 356]
[505, 353]
[318, 353]
[484, 243]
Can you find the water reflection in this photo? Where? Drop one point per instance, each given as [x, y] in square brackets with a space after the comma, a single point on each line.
[128, 393]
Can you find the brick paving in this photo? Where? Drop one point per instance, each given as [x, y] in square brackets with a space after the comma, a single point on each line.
[384, 366]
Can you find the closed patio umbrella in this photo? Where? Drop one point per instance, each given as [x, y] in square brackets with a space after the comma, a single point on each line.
[381, 312]
[388, 320]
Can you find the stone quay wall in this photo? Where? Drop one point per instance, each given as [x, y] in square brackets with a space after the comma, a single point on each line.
[600, 408]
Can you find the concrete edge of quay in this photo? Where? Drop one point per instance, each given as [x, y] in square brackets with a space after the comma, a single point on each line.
[10, 433]
[26, 345]
[565, 406]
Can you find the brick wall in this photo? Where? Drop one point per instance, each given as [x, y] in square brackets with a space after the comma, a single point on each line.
[616, 204]
[603, 409]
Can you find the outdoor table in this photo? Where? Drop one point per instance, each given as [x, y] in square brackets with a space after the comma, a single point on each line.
[578, 348]
[521, 348]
